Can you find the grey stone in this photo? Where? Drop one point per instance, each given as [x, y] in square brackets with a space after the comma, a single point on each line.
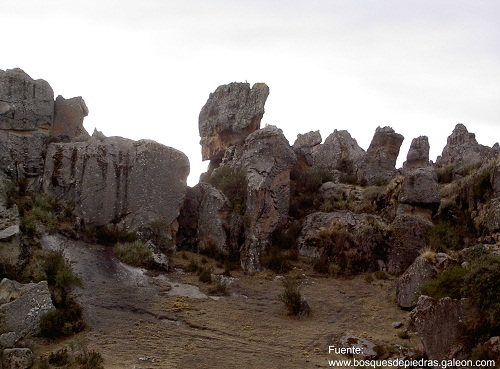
[409, 284]
[68, 118]
[441, 325]
[379, 162]
[231, 113]
[495, 178]
[305, 147]
[418, 155]
[21, 309]
[420, 188]
[367, 347]
[17, 358]
[493, 216]
[120, 182]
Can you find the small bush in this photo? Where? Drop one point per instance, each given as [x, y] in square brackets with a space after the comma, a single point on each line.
[233, 183]
[133, 253]
[445, 174]
[59, 358]
[291, 296]
[403, 334]
[447, 283]
[192, 266]
[443, 236]
[381, 275]
[277, 260]
[90, 360]
[205, 274]
[220, 287]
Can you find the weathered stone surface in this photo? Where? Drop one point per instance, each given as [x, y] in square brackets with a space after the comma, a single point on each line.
[26, 115]
[10, 242]
[409, 284]
[366, 232]
[493, 216]
[339, 151]
[267, 159]
[379, 162]
[118, 181]
[305, 146]
[205, 220]
[462, 151]
[495, 178]
[420, 188]
[411, 234]
[418, 155]
[68, 118]
[17, 358]
[21, 306]
[441, 326]
[339, 192]
[231, 113]
[367, 347]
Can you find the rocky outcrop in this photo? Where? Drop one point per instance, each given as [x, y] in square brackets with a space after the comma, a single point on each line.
[441, 325]
[231, 113]
[10, 237]
[379, 163]
[267, 159]
[305, 146]
[26, 116]
[339, 152]
[420, 188]
[206, 221]
[360, 237]
[411, 234]
[17, 358]
[462, 151]
[21, 306]
[418, 155]
[366, 347]
[493, 216]
[68, 119]
[409, 284]
[120, 182]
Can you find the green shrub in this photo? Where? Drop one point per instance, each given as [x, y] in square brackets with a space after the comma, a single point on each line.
[443, 236]
[380, 274]
[133, 253]
[205, 274]
[291, 296]
[276, 260]
[445, 174]
[220, 287]
[447, 283]
[233, 183]
[90, 360]
[192, 266]
[59, 358]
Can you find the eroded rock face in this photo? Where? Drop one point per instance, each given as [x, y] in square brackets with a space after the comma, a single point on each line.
[493, 216]
[267, 159]
[441, 326]
[361, 235]
[379, 163]
[305, 146]
[21, 306]
[26, 116]
[462, 151]
[116, 181]
[231, 113]
[206, 220]
[409, 284]
[10, 236]
[418, 155]
[411, 234]
[420, 188]
[339, 151]
[68, 118]
[18, 358]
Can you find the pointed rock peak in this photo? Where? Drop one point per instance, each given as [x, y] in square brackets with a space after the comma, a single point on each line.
[460, 128]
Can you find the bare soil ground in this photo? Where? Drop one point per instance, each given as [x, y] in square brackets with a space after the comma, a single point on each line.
[167, 321]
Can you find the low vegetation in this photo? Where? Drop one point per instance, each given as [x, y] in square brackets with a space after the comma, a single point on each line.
[135, 253]
[291, 296]
[77, 357]
[233, 183]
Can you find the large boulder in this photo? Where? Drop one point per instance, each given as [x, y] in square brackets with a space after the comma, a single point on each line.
[441, 325]
[26, 116]
[68, 118]
[231, 113]
[267, 160]
[462, 151]
[410, 235]
[120, 182]
[379, 163]
[360, 237]
[206, 220]
[305, 146]
[21, 306]
[409, 284]
[420, 188]
[339, 152]
[418, 155]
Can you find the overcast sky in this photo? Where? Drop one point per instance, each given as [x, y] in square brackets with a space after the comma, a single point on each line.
[145, 68]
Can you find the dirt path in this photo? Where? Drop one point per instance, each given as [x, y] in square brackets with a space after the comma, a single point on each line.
[168, 321]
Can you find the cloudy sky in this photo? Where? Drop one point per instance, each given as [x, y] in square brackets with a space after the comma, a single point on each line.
[145, 68]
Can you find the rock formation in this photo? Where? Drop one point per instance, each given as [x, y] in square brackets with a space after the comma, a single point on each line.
[420, 188]
[409, 284]
[339, 152]
[17, 358]
[379, 163]
[305, 146]
[68, 118]
[118, 181]
[462, 151]
[26, 116]
[441, 325]
[206, 221]
[231, 113]
[10, 234]
[21, 306]
[418, 155]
